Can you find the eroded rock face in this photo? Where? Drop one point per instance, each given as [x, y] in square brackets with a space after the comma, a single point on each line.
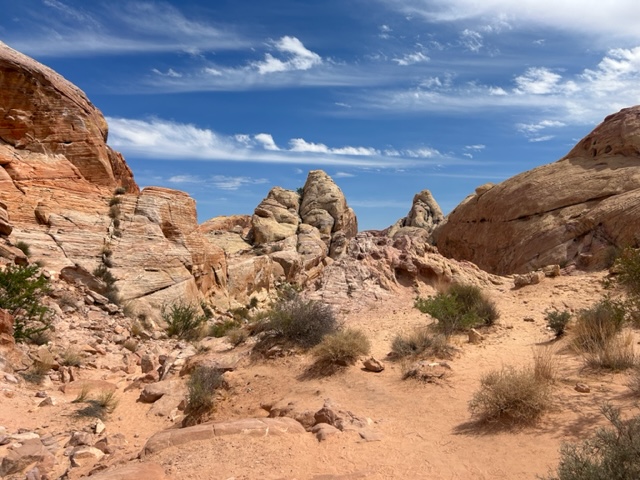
[276, 218]
[5, 227]
[576, 209]
[425, 213]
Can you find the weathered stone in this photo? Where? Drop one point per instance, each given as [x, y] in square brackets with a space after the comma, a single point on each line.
[531, 278]
[86, 455]
[276, 217]
[322, 431]
[133, 471]
[155, 391]
[31, 452]
[341, 419]
[373, 365]
[582, 388]
[425, 213]
[6, 323]
[475, 337]
[5, 227]
[576, 209]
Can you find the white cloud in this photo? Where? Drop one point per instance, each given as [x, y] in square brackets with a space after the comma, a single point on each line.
[133, 27]
[165, 140]
[468, 155]
[297, 57]
[537, 81]
[608, 20]
[169, 73]
[477, 147]
[411, 58]
[471, 40]
[532, 128]
[186, 179]
[343, 175]
[223, 182]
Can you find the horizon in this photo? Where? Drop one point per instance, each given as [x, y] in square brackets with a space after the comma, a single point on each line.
[388, 97]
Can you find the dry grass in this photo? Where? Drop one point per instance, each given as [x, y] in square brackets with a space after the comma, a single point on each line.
[634, 380]
[342, 348]
[545, 364]
[515, 396]
[617, 354]
[595, 326]
[421, 343]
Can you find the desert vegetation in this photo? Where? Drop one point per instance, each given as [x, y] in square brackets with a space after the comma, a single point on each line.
[421, 342]
[459, 308]
[202, 386]
[183, 320]
[342, 348]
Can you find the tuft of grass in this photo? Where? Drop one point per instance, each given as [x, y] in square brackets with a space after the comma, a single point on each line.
[634, 380]
[302, 322]
[70, 358]
[612, 453]
[183, 321]
[100, 407]
[545, 365]
[342, 348]
[616, 354]
[202, 386]
[131, 345]
[596, 325]
[24, 247]
[628, 267]
[221, 329]
[421, 342]
[237, 336]
[459, 308]
[557, 321]
[515, 396]
[83, 396]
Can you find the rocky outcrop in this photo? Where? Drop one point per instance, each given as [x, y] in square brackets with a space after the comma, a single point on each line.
[425, 213]
[578, 209]
[5, 227]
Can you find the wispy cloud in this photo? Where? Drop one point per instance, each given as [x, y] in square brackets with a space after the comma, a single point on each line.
[221, 182]
[411, 58]
[571, 99]
[613, 19]
[132, 27]
[165, 140]
[297, 57]
[343, 175]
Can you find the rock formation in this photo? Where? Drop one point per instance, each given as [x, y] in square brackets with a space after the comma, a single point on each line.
[578, 209]
[425, 213]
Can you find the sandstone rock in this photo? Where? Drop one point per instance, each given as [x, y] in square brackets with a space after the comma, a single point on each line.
[276, 217]
[373, 365]
[430, 372]
[155, 391]
[333, 415]
[582, 388]
[6, 323]
[475, 337]
[135, 471]
[5, 227]
[586, 203]
[322, 431]
[425, 213]
[531, 278]
[31, 452]
[86, 455]
[291, 409]
[250, 426]
[148, 364]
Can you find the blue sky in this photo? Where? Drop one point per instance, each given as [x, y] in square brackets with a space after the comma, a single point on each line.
[226, 98]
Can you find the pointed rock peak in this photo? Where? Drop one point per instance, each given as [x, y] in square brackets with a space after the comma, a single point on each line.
[425, 214]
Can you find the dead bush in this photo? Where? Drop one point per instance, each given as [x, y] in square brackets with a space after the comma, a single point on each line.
[545, 364]
[421, 342]
[595, 326]
[512, 395]
[616, 354]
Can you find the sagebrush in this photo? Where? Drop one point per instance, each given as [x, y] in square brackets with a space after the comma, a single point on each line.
[421, 342]
[183, 320]
[342, 348]
[459, 308]
[202, 387]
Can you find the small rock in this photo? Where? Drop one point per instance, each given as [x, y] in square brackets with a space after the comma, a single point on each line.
[529, 319]
[373, 365]
[86, 455]
[41, 394]
[370, 435]
[47, 402]
[322, 431]
[10, 378]
[582, 388]
[99, 427]
[475, 337]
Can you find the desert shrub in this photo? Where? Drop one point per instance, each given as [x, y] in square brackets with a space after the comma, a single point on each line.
[102, 272]
[253, 302]
[220, 329]
[21, 291]
[240, 313]
[302, 322]
[114, 201]
[343, 347]
[114, 211]
[459, 308]
[612, 454]
[70, 358]
[512, 395]
[421, 342]
[24, 247]
[634, 380]
[183, 320]
[615, 354]
[100, 407]
[120, 191]
[545, 365]
[130, 344]
[202, 386]
[628, 267]
[596, 325]
[557, 321]
[237, 336]
[206, 309]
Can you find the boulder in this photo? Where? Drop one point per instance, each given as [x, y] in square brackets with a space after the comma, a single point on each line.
[5, 227]
[133, 471]
[276, 217]
[578, 209]
[425, 213]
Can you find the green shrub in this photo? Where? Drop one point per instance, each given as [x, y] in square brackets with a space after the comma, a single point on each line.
[24, 247]
[114, 201]
[460, 308]
[21, 291]
[202, 386]
[302, 322]
[628, 267]
[595, 326]
[511, 395]
[183, 321]
[237, 336]
[120, 191]
[343, 348]
[220, 329]
[114, 211]
[421, 342]
[557, 321]
[612, 454]
[100, 407]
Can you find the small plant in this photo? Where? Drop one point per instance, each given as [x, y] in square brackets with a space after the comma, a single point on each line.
[202, 387]
[342, 348]
[24, 247]
[114, 211]
[103, 273]
[114, 201]
[183, 321]
[120, 191]
[557, 321]
[634, 380]
[237, 336]
[460, 308]
[628, 267]
[545, 365]
[240, 313]
[21, 291]
[221, 329]
[302, 322]
[615, 354]
[100, 407]
[70, 358]
[421, 342]
[206, 309]
[611, 454]
[512, 395]
[595, 326]
[253, 302]
[130, 344]
[67, 300]
[83, 395]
